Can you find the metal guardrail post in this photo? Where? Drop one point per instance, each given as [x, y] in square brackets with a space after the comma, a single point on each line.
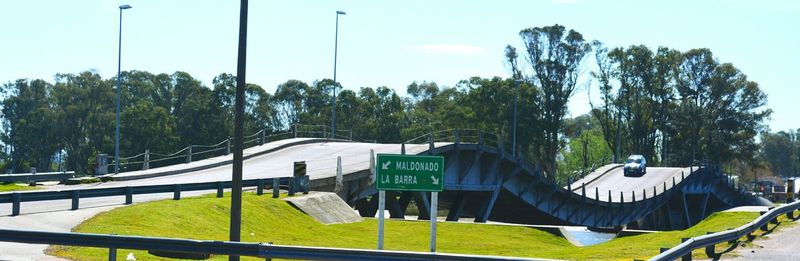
[128, 195]
[112, 254]
[276, 187]
[220, 189]
[351, 135]
[306, 184]
[146, 164]
[228, 146]
[710, 249]
[687, 257]
[76, 197]
[295, 131]
[176, 195]
[189, 154]
[291, 186]
[764, 227]
[260, 187]
[16, 198]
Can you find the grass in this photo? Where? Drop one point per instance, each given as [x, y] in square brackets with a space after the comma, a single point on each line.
[269, 220]
[6, 187]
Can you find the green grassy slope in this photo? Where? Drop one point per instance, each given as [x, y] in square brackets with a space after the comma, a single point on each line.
[270, 220]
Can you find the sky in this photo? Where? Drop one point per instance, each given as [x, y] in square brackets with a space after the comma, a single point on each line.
[387, 43]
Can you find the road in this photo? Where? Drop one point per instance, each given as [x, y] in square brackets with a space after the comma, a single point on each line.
[781, 245]
[615, 182]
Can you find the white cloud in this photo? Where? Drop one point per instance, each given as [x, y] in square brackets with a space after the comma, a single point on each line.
[447, 49]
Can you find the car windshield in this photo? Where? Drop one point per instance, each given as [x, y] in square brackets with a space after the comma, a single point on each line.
[634, 160]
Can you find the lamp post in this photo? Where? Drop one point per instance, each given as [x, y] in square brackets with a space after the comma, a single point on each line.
[514, 135]
[119, 86]
[238, 131]
[335, 51]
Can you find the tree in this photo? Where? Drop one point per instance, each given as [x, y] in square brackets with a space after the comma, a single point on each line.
[147, 127]
[84, 117]
[289, 99]
[555, 56]
[260, 112]
[780, 151]
[720, 111]
[28, 124]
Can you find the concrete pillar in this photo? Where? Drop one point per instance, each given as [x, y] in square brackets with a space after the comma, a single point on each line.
[263, 136]
[146, 164]
[339, 178]
[372, 173]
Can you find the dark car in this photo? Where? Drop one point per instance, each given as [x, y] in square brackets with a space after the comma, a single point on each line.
[636, 164]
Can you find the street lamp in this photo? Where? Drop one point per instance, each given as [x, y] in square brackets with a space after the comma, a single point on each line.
[514, 137]
[119, 74]
[335, 51]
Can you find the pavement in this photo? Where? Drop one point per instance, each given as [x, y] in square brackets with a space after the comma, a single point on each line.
[778, 246]
[610, 178]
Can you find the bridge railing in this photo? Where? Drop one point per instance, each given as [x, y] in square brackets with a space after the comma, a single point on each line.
[147, 159]
[475, 136]
[268, 251]
[709, 240]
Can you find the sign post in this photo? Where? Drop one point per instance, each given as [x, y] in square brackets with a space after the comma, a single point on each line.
[409, 173]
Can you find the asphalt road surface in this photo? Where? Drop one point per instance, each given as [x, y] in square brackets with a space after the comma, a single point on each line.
[782, 245]
[615, 182]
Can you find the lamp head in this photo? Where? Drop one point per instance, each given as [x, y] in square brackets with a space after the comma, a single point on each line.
[125, 7]
[340, 12]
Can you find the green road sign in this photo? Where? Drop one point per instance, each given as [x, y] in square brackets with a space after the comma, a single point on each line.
[410, 173]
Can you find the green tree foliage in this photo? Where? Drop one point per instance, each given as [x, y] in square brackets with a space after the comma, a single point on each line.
[555, 56]
[673, 107]
[28, 124]
[84, 118]
[781, 150]
[290, 102]
[585, 149]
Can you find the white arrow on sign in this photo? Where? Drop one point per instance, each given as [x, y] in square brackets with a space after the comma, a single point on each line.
[386, 165]
[435, 180]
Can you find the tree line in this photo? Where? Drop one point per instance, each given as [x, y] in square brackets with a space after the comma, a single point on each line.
[673, 107]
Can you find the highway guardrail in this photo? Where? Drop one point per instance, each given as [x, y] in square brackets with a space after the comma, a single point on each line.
[114, 242]
[684, 250]
[16, 198]
[30, 177]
